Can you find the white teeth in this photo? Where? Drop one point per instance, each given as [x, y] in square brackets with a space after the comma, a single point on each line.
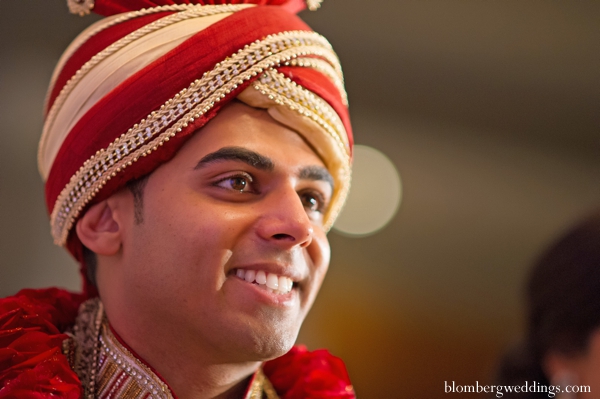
[270, 281]
[285, 284]
[250, 275]
[261, 277]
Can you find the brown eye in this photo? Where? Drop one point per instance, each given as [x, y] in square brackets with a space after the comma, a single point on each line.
[241, 183]
[238, 183]
[312, 201]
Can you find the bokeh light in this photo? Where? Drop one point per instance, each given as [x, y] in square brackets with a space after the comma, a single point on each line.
[374, 196]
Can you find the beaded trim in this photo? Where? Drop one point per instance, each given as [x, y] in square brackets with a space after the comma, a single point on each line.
[112, 21]
[83, 7]
[261, 384]
[188, 105]
[196, 12]
[122, 375]
[107, 369]
[284, 91]
[326, 69]
[82, 346]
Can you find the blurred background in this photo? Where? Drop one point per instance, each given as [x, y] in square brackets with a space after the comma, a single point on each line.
[488, 110]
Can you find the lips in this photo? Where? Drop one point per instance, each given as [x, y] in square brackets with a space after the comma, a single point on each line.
[269, 281]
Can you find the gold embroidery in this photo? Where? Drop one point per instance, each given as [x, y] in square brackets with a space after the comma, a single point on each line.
[195, 12]
[268, 387]
[188, 105]
[326, 69]
[118, 373]
[131, 391]
[283, 91]
[261, 385]
[136, 393]
[83, 355]
[106, 375]
[109, 22]
[130, 367]
[255, 391]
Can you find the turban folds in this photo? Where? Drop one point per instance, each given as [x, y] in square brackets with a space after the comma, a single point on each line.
[134, 86]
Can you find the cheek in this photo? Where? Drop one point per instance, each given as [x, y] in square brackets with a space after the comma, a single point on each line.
[322, 246]
[319, 253]
[195, 238]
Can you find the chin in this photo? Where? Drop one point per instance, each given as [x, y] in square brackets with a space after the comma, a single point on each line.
[267, 345]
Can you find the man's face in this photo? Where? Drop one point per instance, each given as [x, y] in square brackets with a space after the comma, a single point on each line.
[245, 196]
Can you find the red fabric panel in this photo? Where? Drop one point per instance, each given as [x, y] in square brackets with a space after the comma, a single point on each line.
[319, 84]
[111, 7]
[140, 94]
[97, 43]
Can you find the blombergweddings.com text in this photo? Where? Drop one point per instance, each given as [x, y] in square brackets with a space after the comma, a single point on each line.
[526, 387]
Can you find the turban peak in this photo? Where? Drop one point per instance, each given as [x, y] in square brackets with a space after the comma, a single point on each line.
[112, 7]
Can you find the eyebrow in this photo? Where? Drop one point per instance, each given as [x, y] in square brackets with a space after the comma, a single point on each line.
[241, 154]
[254, 159]
[316, 173]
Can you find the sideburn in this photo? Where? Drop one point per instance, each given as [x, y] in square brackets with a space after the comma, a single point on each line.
[137, 189]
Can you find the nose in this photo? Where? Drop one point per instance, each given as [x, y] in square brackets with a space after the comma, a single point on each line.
[284, 221]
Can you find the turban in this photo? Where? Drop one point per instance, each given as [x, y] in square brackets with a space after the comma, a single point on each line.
[133, 87]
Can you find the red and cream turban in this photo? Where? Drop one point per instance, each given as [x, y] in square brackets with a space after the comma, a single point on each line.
[131, 89]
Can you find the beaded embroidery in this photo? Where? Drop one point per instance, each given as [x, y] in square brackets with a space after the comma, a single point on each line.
[109, 22]
[194, 101]
[121, 375]
[107, 369]
[81, 349]
[196, 12]
[326, 69]
[284, 91]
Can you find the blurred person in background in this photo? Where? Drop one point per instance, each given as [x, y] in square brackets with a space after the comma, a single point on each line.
[195, 154]
[562, 344]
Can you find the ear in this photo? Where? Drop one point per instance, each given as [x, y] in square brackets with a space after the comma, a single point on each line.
[99, 230]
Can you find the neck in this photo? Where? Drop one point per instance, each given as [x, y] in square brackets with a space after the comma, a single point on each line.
[190, 366]
[187, 368]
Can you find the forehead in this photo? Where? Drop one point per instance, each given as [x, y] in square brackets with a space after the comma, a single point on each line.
[239, 125]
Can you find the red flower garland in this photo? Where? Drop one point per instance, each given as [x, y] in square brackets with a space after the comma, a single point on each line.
[32, 365]
[31, 361]
[300, 374]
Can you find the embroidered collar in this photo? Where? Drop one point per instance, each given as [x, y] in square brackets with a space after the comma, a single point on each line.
[108, 369]
[32, 323]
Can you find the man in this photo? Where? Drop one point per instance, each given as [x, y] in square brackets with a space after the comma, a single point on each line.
[194, 157]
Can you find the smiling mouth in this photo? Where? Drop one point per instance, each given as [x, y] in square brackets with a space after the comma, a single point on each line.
[268, 281]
